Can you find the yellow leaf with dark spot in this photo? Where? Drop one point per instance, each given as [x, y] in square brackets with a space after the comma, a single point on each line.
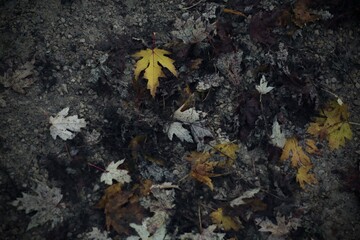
[152, 61]
[227, 149]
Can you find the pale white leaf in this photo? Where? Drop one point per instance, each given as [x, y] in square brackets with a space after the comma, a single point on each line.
[112, 173]
[144, 234]
[282, 227]
[178, 130]
[263, 88]
[96, 234]
[248, 194]
[44, 203]
[207, 234]
[277, 136]
[189, 115]
[65, 127]
[199, 132]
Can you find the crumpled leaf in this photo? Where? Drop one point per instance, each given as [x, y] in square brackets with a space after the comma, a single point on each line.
[199, 133]
[152, 61]
[112, 173]
[96, 234]
[333, 125]
[44, 203]
[207, 233]
[178, 130]
[225, 222]
[263, 87]
[277, 136]
[246, 195]
[298, 156]
[303, 177]
[280, 229]
[65, 127]
[190, 115]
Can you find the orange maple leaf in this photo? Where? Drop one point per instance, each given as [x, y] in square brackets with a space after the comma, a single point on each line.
[152, 61]
[298, 156]
[303, 176]
[225, 222]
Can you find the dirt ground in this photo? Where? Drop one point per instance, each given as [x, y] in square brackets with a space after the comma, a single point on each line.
[78, 54]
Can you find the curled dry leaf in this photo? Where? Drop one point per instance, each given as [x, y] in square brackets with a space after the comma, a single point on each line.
[225, 222]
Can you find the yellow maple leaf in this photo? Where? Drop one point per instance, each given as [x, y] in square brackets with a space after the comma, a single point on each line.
[333, 125]
[225, 222]
[152, 61]
[311, 146]
[303, 176]
[298, 156]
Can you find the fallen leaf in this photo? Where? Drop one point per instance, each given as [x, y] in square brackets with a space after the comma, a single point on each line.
[190, 115]
[298, 156]
[207, 233]
[303, 176]
[302, 14]
[263, 87]
[112, 173]
[65, 127]
[96, 234]
[152, 61]
[277, 136]
[21, 78]
[311, 147]
[235, 12]
[201, 168]
[246, 195]
[227, 149]
[178, 130]
[280, 229]
[332, 124]
[144, 234]
[225, 222]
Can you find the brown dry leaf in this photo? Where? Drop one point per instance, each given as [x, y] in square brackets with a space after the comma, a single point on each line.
[302, 14]
[225, 222]
[109, 193]
[298, 156]
[21, 78]
[201, 168]
[196, 63]
[303, 176]
[235, 12]
[332, 124]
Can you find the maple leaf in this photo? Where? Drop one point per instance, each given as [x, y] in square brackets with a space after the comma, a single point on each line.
[44, 203]
[263, 87]
[207, 233]
[246, 195]
[227, 149]
[112, 172]
[225, 222]
[152, 61]
[96, 234]
[201, 168]
[177, 129]
[64, 127]
[333, 125]
[303, 176]
[311, 146]
[282, 227]
[298, 156]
